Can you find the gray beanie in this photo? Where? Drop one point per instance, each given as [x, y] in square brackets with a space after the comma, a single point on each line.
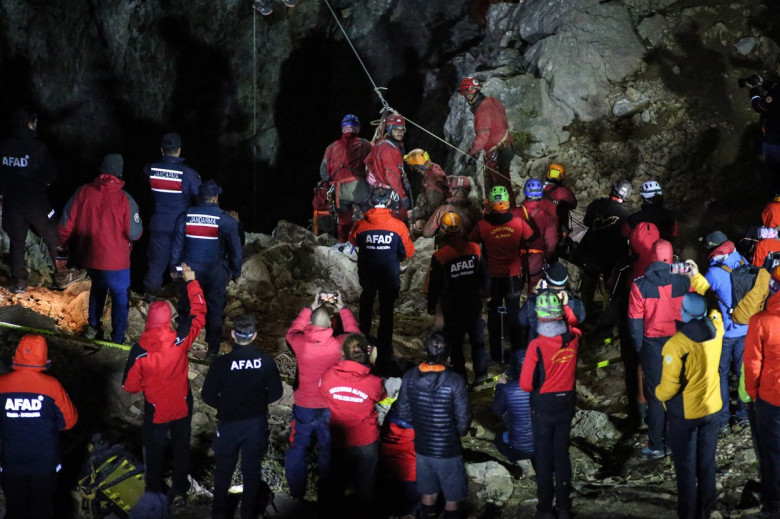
[112, 164]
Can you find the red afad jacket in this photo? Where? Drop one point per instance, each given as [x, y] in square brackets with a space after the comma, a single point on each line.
[345, 159]
[351, 392]
[385, 165]
[99, 223]
[490, 126]
[316, 350]
[502, 236]
[158, 364]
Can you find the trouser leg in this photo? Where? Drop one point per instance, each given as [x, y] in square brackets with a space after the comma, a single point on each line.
[772, 159]
[454, 330]
[384, 336]
[543, 451]
[158, 255]
[724, 367]
[181, 432]
[344, 222]
[255, 442]
[652, 366]
[324, 448]
[119, 288]
[97, 297]
[304, 429]
[214, 284]
[475, 327]
[706, 446]
[561, 460]
[155, 439]
[226, 448]
[768, 419]
[737, 354]
[366, 309]
[42, 221]
[683, 442]
[364, 462]
[16, 226]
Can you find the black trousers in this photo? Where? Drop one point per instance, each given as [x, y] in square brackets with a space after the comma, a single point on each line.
[213, 280]
[693, 444]
[355, 466]
[504, 292]
[18, 218]
[460, 319]
[768, 429]
[156, 438]
[28, 497]
[387, 290]
[250, 439]
[551, 428]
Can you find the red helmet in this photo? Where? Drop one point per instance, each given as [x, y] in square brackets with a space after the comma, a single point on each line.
[469, 85]
[394, 121]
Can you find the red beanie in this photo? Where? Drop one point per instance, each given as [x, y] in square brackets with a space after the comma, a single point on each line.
[662, 251]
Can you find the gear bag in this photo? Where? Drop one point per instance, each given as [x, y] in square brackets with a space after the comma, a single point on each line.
[111, 481]
[750, 288]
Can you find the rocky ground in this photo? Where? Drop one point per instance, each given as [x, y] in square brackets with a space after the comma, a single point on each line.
[281, 274]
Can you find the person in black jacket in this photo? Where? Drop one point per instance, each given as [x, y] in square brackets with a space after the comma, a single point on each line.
[240, 385]
[765, 99]
[434, 400]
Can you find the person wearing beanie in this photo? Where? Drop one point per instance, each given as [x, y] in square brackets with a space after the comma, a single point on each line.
[548, 373]
[206, 237]
[689, 389]
[654, 314]
[762, 384]
[157, 366]
[723, 259]
[174, 187]
[653, 211]
[98, 226]
[30, 441]
[343, 167]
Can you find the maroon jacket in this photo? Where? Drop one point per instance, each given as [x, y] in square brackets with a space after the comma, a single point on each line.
[385, 166]
[99, 223]
[543, 223]
[559, 199]
[344, 159]
[490, 126]
[351, 392]
[316, 350]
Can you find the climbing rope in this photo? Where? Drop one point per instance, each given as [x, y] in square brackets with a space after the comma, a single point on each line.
[254, 117]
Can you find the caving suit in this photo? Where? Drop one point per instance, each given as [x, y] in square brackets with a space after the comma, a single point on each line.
[491, 135]
[385, 166]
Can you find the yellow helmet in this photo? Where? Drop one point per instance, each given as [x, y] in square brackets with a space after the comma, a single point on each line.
[417, 157]
[556, 172]
[450, 223]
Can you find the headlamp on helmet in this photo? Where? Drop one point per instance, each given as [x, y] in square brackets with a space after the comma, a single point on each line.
[417, 157]
[556, 172]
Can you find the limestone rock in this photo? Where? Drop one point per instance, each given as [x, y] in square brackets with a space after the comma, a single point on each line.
[594, 427]
[746, 45]
[652, 29]
[494, 480]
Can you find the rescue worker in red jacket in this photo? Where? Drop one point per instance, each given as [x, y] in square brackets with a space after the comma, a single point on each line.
[458, 283]
[383, 242]
[35, 408]
[398, 467]
[351, 393]
[770, 217]
[316, 349]
[344, 168]
[435, 187]
[157, 366]
[492, 135]
[559, 197]
[458, 202]
[545, 227]
[548, 373]
[99, 224]
[385, 164]
[503, 236]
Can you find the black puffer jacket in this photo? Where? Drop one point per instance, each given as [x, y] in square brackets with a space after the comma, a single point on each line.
[434, 400]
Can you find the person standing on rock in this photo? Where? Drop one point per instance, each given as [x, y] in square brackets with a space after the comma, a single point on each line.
[435, 188]
[207, 238]
[562, 201]
[434, 400]
[458, 284]
[26, 171]
[343, 168]
[157, 366]
[765, 100]
[99, 225]
[383, 242]
[35, 409]
[548, 373]
[653, 211]
[541, 249]
[492, 135]
[503, 236]
[351, 393]
[385, 165]
[690, 391]
[316, 349]
[240, 385]
[174, 187]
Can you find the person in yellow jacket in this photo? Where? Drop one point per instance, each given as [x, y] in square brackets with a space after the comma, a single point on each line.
[690, 391]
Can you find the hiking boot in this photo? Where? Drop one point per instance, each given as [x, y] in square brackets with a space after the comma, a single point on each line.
[67, 277]
[91, 333]
[18, 286]
[647, 452]
[263, 7]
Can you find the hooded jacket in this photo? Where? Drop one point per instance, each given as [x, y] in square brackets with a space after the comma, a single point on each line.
[513, 405]
[351, 392]
[491, 126]
[720, 283]
[640, 242]
[158, 364]
[35, 408]
[385, 166]
[560, 200]
[99, 224]
[543, 223]
[762, 354]
[26, 168]
[690, 383]
[397, 461]
[434, 400]
[502, 236]
[763, 249]
[384, 242]
[316, 350]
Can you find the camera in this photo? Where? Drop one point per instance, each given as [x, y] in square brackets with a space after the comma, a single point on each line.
[178, 268]
[326, 297]
[680, 268]
[751, 81]
[767, 233]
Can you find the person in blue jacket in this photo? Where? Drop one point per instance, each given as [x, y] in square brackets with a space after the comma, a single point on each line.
[207, 239]
[174, 188]
[513, 404]
[723, 258]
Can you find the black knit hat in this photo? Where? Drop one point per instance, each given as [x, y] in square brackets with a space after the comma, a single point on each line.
[112, 164]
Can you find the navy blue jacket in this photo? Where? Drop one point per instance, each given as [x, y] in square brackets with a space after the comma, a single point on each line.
[26, 167]
[206, 236]
[383, 242]
[174, 185]
[514, 405]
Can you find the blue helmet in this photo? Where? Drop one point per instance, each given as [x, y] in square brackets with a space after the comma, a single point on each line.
[350, 120]
[533, 189]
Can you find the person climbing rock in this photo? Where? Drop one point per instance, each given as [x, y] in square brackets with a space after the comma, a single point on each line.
[385, 165]
[435, 187]
[458, 202]
[383, 242]
[545, 226]
[503, 236]
[266, 7]
[174, 187]
[458, 284]
[343, 168]
[653, 211]
[492, 135]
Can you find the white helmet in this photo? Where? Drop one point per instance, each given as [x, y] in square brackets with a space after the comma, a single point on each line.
[650, 189]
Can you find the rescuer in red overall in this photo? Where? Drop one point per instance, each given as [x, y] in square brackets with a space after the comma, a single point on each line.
[386, 164]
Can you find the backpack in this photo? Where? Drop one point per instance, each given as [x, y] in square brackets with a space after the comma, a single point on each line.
[747, 296]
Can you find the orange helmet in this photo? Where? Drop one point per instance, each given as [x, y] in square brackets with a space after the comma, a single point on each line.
[417, 157]
[556, 172]
[469, 85]
[449, 223]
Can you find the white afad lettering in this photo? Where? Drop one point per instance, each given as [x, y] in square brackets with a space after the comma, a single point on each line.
[462, 265]
[379, 238]
[24, 407]
[16, 162]
[246, 364]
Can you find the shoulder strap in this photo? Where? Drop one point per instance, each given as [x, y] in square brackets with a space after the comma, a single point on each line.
[547, 194]
[724, 267]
